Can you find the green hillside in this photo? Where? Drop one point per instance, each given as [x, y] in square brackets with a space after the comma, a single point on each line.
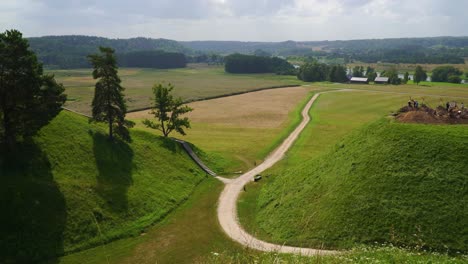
[403, 184]
[71, 188]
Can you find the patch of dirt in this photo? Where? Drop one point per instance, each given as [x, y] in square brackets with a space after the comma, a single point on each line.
[426, 115]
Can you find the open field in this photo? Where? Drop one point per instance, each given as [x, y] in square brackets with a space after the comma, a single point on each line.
[333, 116]
[192, 83]
[200, 210]
[241, 130]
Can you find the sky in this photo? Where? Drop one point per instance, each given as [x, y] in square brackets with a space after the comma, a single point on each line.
[244, 20]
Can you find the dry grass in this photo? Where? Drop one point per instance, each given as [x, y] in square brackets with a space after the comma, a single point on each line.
[192, 83]
[264, 109]
[243, 128]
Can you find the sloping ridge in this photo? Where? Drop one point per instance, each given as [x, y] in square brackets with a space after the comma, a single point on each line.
[227, 208]
[194, 156]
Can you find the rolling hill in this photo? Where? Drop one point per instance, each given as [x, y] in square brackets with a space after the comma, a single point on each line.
[70, 188]
[388, 183]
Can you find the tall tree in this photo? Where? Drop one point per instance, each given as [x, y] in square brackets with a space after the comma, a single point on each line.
[406, 77]
[419, 75]
[392, 75]
[108, 102]
[358, 71]
[168, 110]
[29, 99]
[371, 74]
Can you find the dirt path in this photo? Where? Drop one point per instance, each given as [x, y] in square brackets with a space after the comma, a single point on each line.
[227, 208]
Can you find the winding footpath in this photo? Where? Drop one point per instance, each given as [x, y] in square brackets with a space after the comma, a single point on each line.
[227, 207]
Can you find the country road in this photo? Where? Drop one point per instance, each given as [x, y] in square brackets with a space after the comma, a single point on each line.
[227, 207]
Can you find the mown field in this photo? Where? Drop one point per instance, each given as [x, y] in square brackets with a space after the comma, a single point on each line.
[239, 131]
[197, 81]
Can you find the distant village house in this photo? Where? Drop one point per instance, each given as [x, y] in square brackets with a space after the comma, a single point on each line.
[361, 80]
[381, 80]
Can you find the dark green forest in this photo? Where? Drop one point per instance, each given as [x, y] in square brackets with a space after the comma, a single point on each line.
[71, 51]
[240, 63]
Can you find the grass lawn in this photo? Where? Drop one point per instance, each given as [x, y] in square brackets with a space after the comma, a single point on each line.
[197, 81]
[239, 131]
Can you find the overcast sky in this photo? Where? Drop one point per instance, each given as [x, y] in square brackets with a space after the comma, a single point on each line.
[247, 20]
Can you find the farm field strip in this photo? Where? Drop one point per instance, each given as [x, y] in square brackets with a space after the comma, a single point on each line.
[240, 129]
[192, 83]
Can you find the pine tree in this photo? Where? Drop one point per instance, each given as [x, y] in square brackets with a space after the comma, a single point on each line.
[108, 102]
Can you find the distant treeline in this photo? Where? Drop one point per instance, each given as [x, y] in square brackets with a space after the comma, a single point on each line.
[71, 51]
[240, 63]
[405, 54]
[152, 59]
[68, 52]
[319, 72]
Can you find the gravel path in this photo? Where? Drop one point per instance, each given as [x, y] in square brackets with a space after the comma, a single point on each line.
[227, 208]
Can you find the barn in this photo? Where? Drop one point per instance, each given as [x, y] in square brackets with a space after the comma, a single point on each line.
[381, 80]
[361, 80]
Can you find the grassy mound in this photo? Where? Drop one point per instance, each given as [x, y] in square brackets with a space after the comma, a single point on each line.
[71, 188]
[404, 184]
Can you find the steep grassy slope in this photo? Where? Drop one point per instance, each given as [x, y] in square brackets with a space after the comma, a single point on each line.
[404, 184]
[71, 188]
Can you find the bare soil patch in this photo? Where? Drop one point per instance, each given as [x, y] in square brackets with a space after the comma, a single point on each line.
[426, 115]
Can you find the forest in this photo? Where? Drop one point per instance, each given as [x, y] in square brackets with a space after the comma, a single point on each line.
[71, 51]
[240, 63]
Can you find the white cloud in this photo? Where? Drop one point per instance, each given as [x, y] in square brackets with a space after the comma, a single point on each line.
[263, 20]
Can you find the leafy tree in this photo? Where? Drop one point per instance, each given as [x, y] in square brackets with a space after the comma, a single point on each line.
[419, 75]
[168, 110]
[406, 77]
[313, 72]
[442, 73]
[337, 74]
[28, 98]
[392, 75]
[240, 63]
[454, 79]
[371, 74]
[108, 102]
[358, 71]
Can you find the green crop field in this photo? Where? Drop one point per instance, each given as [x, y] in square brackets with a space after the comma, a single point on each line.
[72, 189]
[192, 83]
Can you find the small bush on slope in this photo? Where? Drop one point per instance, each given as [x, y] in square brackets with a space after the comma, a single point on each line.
[400, 183]
[71, 188]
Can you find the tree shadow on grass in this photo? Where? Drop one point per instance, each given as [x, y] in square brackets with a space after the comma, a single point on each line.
[32, 208]
[114, 161]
